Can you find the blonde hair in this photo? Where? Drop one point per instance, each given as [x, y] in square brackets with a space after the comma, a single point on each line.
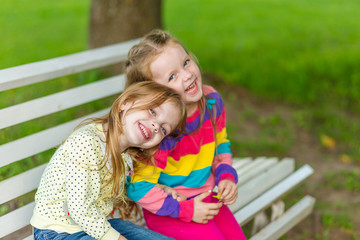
[149, 95]
[141, 55]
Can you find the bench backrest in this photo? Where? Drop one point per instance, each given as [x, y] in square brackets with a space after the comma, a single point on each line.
[28, 146]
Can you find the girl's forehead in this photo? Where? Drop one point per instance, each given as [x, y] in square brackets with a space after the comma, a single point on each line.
[169, 56]
[175, 46]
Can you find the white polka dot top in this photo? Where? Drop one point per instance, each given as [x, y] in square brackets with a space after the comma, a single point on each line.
[73, 195]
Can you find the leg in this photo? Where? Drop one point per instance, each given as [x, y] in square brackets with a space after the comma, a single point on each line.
[226, 222]
[182, 230]
[228, 225]
[134, 232]
[46, 234]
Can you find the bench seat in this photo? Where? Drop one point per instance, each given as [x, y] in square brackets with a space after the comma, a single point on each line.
[262, 181]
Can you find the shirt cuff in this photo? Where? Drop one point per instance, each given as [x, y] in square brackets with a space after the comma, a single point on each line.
[111, 234]
[186, 210]
[227, 176]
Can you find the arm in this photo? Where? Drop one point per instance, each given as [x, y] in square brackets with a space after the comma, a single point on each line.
[172, 192]
[143, 190]
[83, 176]
[226, 176]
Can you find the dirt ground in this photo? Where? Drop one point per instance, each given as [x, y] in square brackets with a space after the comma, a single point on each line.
[307, 150]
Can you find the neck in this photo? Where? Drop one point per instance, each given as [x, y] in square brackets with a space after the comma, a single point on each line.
[191, 108]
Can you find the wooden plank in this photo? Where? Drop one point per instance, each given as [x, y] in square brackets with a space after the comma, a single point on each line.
[16, 219]
[59, 101]
[240, 162]
[256, 186]
[61, 66]
[266, 199]
[250, 165]
[291, 217]
[40, 141]
[24, 182]
[256, 169]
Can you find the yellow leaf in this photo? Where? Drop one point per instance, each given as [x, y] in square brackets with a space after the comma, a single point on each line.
[217, 196]
[345, 158]
[327, 141]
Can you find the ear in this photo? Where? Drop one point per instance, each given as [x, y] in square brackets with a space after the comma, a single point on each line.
[125, 106]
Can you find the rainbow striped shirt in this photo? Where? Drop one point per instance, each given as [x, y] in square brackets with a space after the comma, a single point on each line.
[191, 164]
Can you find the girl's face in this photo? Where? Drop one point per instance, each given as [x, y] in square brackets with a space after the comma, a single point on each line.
[147, 128]
[175, 69]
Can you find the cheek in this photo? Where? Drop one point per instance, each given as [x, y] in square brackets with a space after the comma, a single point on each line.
[157, 140]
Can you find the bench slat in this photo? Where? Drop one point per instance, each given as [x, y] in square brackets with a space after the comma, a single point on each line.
[250, 165]
[256, 186]
[16, 219]
[60, 101]
[40, 141]
[61, 66]
[265, 200]
[240, 162]
[24, 182]
[291, 217]
[261, 166]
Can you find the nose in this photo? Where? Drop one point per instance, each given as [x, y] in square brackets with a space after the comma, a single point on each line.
[155, 126]
[187, 75]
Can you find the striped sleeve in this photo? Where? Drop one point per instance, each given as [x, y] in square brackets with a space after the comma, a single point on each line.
[222, 164]
[144, 191]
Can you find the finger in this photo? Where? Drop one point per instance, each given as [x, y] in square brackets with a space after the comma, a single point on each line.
[213, 212]
[203, 195]
[226, 192]
[181, 198]
[229, 202]
[214, 206]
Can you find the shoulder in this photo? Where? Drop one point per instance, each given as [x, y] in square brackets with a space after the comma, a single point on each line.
[85, 144]
[207, 89]
[88, 133]
[210, 92]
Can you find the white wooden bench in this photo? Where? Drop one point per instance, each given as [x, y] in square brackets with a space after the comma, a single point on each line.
[262, 181]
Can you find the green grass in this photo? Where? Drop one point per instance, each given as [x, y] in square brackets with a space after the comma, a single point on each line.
[304, 53]
[38, 30]
[298, 51]
[349, 180]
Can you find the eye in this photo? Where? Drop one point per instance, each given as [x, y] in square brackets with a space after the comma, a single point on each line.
[152, 112]
[172, 77]
[163, 130]
[186, 62]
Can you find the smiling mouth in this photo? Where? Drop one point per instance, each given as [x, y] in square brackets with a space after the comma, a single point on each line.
[144, 131]
[192, 88]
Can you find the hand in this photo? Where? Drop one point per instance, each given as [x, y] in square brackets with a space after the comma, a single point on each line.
[228, 190]
[203, 212]
[122, 238]
[172, 192]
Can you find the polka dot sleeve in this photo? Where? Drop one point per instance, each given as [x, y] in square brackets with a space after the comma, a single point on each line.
[83, 185]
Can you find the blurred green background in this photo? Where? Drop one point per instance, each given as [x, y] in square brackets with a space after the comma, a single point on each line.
[304, 54]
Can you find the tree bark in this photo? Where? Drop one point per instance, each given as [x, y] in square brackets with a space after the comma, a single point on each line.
[113, 21]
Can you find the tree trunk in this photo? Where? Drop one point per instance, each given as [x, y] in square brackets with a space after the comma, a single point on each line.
[114, 21]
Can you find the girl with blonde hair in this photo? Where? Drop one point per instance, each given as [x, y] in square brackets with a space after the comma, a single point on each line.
[84, 182]
[193, 164]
